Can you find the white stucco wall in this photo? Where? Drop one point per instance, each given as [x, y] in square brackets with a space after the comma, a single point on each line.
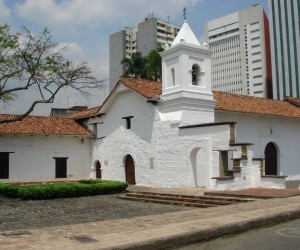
[119, 141]
[260, 130]
[184, 99]
[181, 58]
[164, 155]
[189, 157]
[32, 156]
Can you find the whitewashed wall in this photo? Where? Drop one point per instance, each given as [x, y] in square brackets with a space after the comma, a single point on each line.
[112, 150]
[32, 157]
[261, 130]
[164, 155]
[189, 157]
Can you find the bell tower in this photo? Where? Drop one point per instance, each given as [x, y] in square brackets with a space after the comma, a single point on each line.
[186, 80]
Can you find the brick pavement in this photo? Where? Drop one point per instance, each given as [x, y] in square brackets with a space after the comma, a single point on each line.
[260, 193]
[157, 231]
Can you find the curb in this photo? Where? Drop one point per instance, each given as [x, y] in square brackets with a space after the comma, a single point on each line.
[207, 234]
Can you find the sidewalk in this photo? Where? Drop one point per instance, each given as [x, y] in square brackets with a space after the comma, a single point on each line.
[156, 231]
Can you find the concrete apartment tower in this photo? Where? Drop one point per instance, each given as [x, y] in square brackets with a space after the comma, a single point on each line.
[241, 61]
[285, 45]
[141, 39]
[121, 44]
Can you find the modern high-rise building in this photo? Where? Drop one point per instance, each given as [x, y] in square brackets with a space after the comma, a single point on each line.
[121, 44]
[153, 31]
[285, 46]
[241, 61]
[142, 39]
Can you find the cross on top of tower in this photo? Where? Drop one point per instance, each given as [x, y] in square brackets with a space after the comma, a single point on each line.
[184, 13]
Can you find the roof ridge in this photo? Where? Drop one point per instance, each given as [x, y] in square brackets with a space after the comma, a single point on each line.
[85, 112]
[35, 116]
[246, 96]
[294, 101]
[44, 125]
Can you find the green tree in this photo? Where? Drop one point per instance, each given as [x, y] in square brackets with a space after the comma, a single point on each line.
[144, 67]
[153, 64]
[29, 62]
[134, 66]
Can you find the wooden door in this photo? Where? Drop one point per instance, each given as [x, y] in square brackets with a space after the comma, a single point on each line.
[129, 170]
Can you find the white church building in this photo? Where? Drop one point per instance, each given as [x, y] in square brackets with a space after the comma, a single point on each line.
[176, 133]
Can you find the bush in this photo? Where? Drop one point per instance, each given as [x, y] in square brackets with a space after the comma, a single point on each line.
[8, 190]
[90, 181]
[63, 190]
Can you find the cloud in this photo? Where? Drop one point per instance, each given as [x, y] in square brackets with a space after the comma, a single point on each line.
[84, 26]
[73, 20]
[77, 54]
[97, 13]
[74, 51]
[4, 11]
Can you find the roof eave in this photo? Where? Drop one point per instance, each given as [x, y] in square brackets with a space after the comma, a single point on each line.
[252, 113]
[33, 134]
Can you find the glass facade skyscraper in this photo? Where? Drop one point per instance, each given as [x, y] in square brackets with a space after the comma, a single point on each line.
[285, 47]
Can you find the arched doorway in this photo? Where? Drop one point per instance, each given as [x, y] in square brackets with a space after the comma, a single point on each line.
[98, 170]
[129, 170]
[198, 158]
[271, 159]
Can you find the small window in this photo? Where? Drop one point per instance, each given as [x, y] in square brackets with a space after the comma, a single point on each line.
[95, 130]
[128, 121]
[173, 76]
[60, 167]
[128, 124]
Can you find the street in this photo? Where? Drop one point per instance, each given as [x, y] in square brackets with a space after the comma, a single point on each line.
[281, 236]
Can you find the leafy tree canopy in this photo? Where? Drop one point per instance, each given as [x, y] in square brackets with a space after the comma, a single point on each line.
[30, 62]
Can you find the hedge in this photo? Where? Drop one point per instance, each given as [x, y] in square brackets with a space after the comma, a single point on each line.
[8, 190]
[63, 190]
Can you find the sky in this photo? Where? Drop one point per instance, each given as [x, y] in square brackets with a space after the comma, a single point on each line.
[85, 25]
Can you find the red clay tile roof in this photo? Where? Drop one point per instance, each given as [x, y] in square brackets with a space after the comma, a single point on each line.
[42, 125]
[225, 101]
[254, 105]
[85, 113]
[293, 101]
[145, 88]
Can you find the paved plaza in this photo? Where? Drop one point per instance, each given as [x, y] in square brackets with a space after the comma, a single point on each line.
[133, 225]
[18, 214]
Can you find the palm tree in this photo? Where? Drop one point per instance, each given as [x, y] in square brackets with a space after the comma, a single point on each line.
[148, 67]
[135, 65]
